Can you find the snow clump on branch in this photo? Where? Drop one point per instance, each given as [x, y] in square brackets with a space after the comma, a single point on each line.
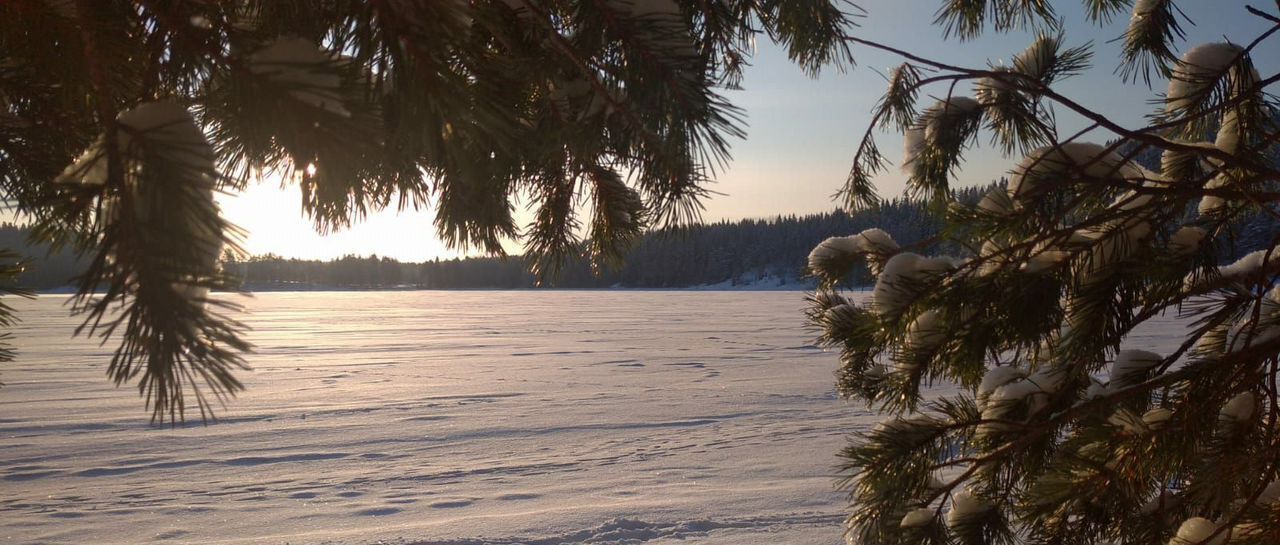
[902, 277]
[934, 121]
[835, 257]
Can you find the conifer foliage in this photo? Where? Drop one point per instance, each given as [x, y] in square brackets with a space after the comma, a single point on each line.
[119, 121]
[1061, 433]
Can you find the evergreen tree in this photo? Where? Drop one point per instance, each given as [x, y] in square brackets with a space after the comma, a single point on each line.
[120, 119]
[1058, 435]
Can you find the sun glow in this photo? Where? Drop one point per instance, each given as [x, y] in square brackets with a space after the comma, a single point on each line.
[273, 220]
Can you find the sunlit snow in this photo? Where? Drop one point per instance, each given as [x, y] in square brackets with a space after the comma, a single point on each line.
[446, 417]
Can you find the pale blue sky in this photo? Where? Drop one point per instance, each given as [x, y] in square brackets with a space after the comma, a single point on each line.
[802, 132]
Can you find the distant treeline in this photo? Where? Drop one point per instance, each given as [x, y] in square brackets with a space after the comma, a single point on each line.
[46, 268]
[758, 252]
[753, 251]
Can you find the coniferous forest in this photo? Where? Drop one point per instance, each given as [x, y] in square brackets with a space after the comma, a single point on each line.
[758, 253]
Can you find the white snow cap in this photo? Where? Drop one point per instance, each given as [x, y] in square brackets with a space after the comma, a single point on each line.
[832, 248]
[1131, 366]
[912, 144]
[1195, 71]
[1045, 260]
[926, 332]
[1170, 158]
[874, 244]
[995, 378]
[1050, 163]
[166, 128]
[917, 518]
[991, 261]
[1239, 408]
[896, 424]
[1246, 332]
[996, 202]
[892, 294]
[1127, 420]
[1270, 494]
[944, 111]
[933, 121]
[1212, 204]
[1252, 264]
[964, 506]
[1196, 531]
[168, 133]
[1213, 342]
[1228, 138]
[829, 299]
[1187, 240]
[1156, 418]
[876, 241]
[666, 21]
[1115, 243]
[1035, 388]
[1048, 379]
[1095, 390]
[306, 69]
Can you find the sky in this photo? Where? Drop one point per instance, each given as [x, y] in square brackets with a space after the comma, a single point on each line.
[802, 131]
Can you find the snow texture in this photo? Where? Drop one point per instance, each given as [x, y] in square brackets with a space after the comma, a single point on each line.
[830, 256]
[446, 418]
[1131, 367]
[1196, 531]
[663, 21]
[305, 69]
[1270, 495]
[455, 418]
[1045, 261]
[1246, 332]
[1213, 204]
[994, 379]
[164, 128]
[1052, 164]
[926, 332]
[917, 518]
[1196, 71]
[877, 241]
[996, 202]
[1032, 391]
[1251, 265]
[993, 255]
[1239, 408]
[1157, 417]
[1095, 390]
[934, 121]
[1047, 379]
[159, 131]
[832, 250]
[902, 274]
[1128, 421]
[1186, 240]
[965, 506]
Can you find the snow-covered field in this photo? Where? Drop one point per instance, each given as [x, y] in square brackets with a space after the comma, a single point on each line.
[445, 417]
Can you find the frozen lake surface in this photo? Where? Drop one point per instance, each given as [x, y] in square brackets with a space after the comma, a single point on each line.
[463, 418]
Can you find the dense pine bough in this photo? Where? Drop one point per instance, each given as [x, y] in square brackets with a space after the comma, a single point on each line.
[1062, 434]
[119, 120]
